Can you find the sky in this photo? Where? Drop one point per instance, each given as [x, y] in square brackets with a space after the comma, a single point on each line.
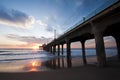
[31, 23]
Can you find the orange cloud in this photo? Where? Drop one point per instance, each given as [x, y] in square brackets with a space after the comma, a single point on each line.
[29, 41]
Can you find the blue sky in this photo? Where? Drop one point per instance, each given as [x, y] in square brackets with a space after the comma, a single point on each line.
[27, 23]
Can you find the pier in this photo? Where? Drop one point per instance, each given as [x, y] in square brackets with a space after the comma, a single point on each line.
[105, 21]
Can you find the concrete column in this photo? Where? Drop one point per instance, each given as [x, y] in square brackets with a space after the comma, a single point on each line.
[54, 49]
[58, 50]
[68, 48]
[62, 48]
[46, 48]
[117, 38]
[83, 52]
[100, 49]
[50, 49]
[43, 48]
[69, 64]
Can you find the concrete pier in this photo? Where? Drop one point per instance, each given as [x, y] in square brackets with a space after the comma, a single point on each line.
[104, 23]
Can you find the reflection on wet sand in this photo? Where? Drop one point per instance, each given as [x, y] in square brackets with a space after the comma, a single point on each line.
[61, 62]
[33, 66]
[39, 65]
[57, 63]
[69, 63]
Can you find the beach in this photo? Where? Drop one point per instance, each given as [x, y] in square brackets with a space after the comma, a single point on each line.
[44, 67]
[76, 71]
[87, 72]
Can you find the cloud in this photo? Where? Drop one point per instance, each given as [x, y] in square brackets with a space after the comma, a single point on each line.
[46, 17]
[15, 18]
[51, 23]
[78, 2]
[29, 39]
[40, 22]
[45, 26]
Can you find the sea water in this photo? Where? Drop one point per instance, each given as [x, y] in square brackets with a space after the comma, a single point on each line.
[27, 60]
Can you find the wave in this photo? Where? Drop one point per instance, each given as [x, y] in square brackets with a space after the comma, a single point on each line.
[40, 58]
[23, 55]
[19, 54]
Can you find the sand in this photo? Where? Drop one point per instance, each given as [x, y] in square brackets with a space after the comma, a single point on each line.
[83, 72]
[77, 73]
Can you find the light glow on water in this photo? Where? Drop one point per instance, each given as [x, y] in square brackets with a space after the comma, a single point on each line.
[36, 63]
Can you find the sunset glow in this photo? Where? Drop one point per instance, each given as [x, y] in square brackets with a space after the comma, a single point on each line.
[36, 46]
[32, 69]
[36, 63]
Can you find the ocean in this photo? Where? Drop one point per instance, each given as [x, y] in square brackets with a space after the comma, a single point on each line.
[27, 60]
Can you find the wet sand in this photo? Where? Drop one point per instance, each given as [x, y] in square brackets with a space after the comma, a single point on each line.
[87, 72]
[82, 72]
